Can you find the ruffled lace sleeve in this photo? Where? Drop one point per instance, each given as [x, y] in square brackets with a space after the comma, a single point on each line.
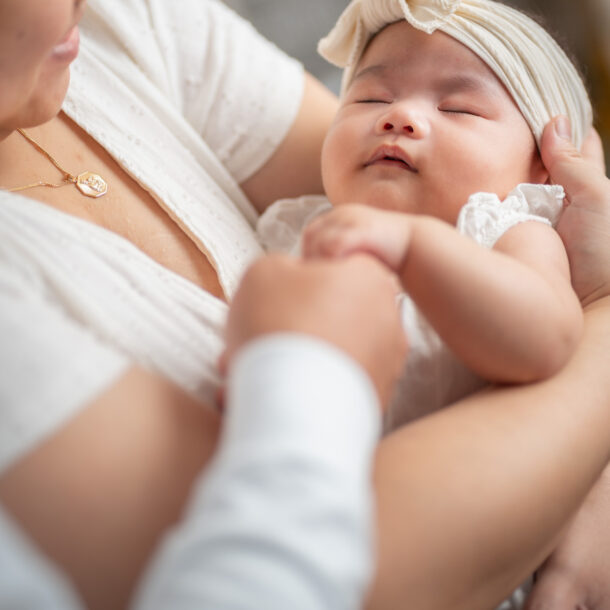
[485, 218]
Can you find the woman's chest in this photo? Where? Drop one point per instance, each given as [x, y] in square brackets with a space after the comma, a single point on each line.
[126, 209]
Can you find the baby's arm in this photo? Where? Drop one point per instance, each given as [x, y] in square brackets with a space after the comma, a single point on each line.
[508, 313]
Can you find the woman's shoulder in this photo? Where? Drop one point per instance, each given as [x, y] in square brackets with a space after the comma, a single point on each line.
[165, 29]
[203, 73]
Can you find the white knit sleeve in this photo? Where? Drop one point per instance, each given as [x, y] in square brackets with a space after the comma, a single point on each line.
[238, 90]
[282, 519]
[235, 88]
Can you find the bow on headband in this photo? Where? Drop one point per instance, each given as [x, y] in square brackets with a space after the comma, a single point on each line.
[541, 79]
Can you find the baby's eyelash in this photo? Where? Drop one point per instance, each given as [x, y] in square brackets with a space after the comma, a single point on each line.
[458, 111]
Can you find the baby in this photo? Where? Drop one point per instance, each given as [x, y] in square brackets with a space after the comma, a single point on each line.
[432, 166]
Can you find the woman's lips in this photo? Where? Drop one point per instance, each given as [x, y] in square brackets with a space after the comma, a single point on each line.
[67, 49]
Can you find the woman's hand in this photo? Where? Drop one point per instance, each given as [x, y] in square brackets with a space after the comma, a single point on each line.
[585, 223]
[576, 574]
[350, 303]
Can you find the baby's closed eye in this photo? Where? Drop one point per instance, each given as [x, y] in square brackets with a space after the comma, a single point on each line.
[457, 109]
[372, 101]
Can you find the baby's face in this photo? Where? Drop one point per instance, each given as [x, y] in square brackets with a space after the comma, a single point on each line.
[424, 124]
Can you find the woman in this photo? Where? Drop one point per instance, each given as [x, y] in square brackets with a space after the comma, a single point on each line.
[204, 210]
[98, 470]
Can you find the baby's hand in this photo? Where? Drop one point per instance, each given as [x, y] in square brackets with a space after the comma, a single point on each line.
[358, 228]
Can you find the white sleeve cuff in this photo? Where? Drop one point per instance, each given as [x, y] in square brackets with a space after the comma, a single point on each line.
[295, 390]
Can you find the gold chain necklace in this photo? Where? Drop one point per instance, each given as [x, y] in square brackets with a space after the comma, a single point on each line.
[88, 183]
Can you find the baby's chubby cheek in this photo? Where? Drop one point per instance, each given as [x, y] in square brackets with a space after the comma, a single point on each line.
[334, 174]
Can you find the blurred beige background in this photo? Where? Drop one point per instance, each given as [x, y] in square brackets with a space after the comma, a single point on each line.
[582, 26]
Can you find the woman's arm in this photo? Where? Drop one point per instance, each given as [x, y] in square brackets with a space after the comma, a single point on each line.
[472, 499]
[577, 571]
[576, 574]
[294, 168]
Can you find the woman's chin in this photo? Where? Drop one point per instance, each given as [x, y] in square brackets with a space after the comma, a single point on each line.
[47, 101]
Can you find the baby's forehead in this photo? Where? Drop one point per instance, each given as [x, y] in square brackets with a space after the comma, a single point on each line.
[400, 51]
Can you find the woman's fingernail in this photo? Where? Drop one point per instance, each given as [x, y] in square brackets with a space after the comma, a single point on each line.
[563, 128]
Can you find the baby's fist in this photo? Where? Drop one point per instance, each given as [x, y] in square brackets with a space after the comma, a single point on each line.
[352, 228]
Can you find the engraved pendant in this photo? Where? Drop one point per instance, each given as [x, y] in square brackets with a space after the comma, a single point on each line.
[91, 185]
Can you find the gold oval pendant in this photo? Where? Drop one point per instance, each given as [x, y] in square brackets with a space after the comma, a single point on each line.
[91, 185]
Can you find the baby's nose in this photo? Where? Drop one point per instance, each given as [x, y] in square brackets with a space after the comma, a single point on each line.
[405, 121]
[390, 126]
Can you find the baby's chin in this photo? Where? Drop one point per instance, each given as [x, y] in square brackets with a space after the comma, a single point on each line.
[393, 202]
[384, 196]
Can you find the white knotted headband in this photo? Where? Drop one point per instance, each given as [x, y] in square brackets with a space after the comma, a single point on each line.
[541, 79]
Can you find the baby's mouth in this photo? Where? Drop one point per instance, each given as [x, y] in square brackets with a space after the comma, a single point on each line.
[392, 156]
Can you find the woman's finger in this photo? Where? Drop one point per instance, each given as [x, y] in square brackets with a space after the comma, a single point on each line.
[593, 149]
[579, 173]
[554, 591]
